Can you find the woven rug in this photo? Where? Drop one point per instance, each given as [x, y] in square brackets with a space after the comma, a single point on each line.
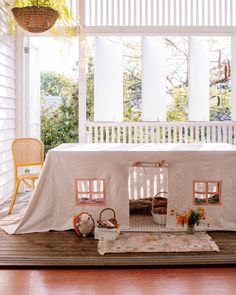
[158, 242]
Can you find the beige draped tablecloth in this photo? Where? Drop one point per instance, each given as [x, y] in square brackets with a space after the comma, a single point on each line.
[53, 202]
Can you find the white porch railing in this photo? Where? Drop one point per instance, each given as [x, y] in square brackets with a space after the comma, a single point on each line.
[160, 13]
[161, 132]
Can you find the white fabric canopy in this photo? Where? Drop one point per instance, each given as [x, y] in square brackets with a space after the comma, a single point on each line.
[53, 203]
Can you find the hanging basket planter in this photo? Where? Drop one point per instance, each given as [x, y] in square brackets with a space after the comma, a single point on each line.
[35, 19]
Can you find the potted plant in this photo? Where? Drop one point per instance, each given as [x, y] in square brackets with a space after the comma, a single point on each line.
[37, 16]
[191, 218]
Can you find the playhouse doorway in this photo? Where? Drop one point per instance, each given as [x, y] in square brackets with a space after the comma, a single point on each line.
[148, 195]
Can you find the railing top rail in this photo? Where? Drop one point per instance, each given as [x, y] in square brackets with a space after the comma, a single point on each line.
[159, 123]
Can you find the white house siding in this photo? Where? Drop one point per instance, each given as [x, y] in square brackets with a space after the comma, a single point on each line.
[7, 107]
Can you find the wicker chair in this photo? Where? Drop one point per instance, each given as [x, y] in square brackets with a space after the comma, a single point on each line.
[25, 152]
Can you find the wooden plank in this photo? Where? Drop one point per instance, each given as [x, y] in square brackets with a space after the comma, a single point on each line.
[7, 124]
[7, 82]
[7, 134]
[8, 51]
[7, 72]
[52, 249]
[7, 61]
[7, 92]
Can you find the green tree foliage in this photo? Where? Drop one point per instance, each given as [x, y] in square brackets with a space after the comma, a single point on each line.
[59, 124]
[178, 110]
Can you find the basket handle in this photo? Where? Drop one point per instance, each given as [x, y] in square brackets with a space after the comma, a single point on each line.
[157, 196]
[100, 216]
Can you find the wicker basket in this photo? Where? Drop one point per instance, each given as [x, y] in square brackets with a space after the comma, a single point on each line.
[108, 223]
[108, 229]
[158, 218]
[35, 19]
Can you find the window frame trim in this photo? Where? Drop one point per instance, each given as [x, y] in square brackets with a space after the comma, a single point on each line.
[206, 192]
[90, 192]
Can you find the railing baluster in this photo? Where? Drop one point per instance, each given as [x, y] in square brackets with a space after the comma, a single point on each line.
[101, 18]
[135, 12]
[169, 134]
[118, 13]
[147, 134]
[203, 12]
[129, 13]
[186, 12]
[146, 7]
[220, 13]
[186, 134]
[197, 12]
[158, 137]
[135, 134]
[130, 134]
[180, 133]
[107, 135]
[152, 135]
[152, 13]
[157, 12]
[174, 133]
[101, 134]
[213, 134]
[191, 134]
[140, 13]
[230, 134]
[180, 13]
[231, 14]
[163, 13]
[118, 134]
[90, 136]
[141, 134]
[95, 13]
[233, 134]
[124, 133]
[163, 137]
[224, 134]
[202, 134]
[219, 134]
[106, 8]
[112, 5]
[208, 131]
[191, 13]
[112, 134]
[197, 134]
[209, 13]
[96, 134]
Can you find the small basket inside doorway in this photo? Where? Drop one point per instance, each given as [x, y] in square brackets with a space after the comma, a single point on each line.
[159, 208]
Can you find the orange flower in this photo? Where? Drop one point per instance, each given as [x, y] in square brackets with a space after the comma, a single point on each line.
[192, 216]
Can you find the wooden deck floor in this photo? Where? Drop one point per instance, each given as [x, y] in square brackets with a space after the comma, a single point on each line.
[67, 249]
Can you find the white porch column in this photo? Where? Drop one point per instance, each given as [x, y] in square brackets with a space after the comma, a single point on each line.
[233, 78]
[108, 80]
[198, 77]
[21, 45]
[153, 79]
[80, 7]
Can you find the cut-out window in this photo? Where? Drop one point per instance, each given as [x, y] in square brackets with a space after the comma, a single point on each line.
[207, 192]
[90, 191]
